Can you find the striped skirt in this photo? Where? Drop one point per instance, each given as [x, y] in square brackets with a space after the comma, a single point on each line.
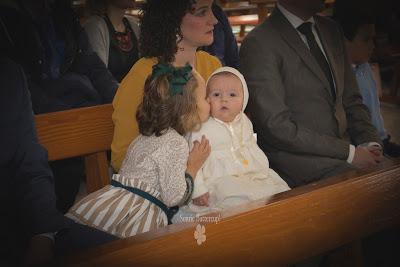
[119, 212]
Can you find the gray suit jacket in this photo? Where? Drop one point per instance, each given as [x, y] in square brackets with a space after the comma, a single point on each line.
[303, 130]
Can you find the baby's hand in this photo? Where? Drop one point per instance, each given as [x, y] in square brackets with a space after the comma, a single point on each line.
[198, 155]
[202, 200]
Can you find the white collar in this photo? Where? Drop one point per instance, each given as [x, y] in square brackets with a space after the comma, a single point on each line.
[292, 18]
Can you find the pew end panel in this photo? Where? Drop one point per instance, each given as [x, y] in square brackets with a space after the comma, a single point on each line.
[85, 132]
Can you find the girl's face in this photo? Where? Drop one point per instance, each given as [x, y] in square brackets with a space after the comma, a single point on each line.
[203, 106]
[225, 94]
[197, 26]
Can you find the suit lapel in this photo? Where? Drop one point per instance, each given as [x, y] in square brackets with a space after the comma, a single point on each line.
[290, 35]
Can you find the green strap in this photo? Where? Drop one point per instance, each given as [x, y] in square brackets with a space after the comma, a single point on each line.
[170, 212]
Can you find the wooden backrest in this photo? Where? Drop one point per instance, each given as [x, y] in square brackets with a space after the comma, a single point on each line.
[293, 226]
[238, 8]
[83, 132]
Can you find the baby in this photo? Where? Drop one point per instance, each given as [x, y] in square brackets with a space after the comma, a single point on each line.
[237, 171]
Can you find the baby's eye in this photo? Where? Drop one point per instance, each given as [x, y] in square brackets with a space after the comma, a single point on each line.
[216, 94]
[232, 94]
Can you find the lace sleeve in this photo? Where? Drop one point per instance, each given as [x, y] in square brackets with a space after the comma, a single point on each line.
[172, 162]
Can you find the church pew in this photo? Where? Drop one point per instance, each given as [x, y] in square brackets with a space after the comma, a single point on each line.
[264, 7]
[85, 132]
[291, 227]
[238, 8]
[243, 21]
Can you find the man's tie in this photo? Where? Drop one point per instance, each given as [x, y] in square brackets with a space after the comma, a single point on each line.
[315, 50]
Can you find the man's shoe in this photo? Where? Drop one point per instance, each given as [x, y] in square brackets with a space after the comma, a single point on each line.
[391, 149]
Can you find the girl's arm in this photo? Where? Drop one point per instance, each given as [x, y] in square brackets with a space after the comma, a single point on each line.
[178, 167]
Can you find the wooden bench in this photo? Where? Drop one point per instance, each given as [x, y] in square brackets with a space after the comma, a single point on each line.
[243, 21]
[238, 8]
[264, 8]
[293, 226]
[244, 13]
[85, 132]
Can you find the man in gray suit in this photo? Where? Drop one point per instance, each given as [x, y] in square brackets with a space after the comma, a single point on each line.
[304, 100]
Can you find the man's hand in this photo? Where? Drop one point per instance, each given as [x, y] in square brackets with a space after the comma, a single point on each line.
[202, 200]
[365, 157]
[377, 151]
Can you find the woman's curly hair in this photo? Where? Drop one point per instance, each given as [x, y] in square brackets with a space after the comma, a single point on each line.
[160, 110]
[160, 28]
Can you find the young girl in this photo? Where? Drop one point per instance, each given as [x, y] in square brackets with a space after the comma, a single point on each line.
[157, 171]
[237, 171]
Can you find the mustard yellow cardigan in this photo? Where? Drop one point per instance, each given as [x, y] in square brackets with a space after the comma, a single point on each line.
[129, 96]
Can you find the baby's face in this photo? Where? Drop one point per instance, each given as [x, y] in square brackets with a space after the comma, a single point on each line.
[225, 94]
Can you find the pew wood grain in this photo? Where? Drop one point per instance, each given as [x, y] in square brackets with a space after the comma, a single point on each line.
[291, 227]
[85, 132]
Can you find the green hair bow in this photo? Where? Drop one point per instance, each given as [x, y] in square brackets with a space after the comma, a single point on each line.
[177, 77]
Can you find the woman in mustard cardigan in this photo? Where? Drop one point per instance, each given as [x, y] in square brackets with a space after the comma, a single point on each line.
[171, 32]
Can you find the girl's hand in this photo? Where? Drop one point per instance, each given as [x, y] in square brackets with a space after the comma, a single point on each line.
[200, 152]
[202, 200]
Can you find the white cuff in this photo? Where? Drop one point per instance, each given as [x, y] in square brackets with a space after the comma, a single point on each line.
[370, 144]
[374, 144]
[352, 151]
[49, 236]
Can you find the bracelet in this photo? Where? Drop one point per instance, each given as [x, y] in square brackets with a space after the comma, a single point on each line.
[187, 175]
[189, 189]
